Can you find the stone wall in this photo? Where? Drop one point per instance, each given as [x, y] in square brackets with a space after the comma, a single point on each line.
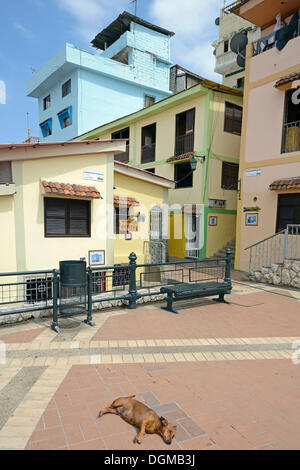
[287, 274]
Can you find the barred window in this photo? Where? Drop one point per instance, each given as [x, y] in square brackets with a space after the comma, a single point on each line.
[230, 176]
[233, 118]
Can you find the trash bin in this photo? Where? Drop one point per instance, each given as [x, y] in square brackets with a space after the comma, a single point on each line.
[73, 287]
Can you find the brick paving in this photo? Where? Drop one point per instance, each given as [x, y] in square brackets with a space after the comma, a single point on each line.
[222, 373]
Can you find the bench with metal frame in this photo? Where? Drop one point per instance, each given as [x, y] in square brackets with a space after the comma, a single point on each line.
[200, 289]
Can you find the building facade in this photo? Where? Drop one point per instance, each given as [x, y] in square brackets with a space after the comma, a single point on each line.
[226, 60]
[202, 124]
[78, 90]
[270, 148]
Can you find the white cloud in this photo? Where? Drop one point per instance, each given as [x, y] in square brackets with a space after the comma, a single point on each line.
[193, 22]
[24, 31]
[91, 15]
[2, 92]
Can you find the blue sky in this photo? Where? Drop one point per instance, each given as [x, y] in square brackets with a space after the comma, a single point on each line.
[33, 30]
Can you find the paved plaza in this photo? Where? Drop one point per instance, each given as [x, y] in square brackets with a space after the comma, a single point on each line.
[222, 373]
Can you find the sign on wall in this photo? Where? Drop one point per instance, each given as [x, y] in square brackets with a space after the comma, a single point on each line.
[91, 175]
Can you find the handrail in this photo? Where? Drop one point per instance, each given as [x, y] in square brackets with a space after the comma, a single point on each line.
[265, 239]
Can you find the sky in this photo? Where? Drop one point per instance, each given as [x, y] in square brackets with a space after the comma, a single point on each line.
[31, 31]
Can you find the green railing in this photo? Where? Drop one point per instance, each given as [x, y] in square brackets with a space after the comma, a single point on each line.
[32, 291]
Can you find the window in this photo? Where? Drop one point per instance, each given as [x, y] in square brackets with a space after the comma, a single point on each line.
[47, 102]
[150, 170]
[291, 127]
[148, 100]
[66, 88]
[240, 83]
[67, 218]
[148, 143]
[120, 219]
[5, 172]
[121, 275]
[122, 134]
[230, 176]
[184, 135]
[46, 128]
[288, 211]
[38, 289]
[226, 46]
[65, 117]
[233, 118]
[183, 175]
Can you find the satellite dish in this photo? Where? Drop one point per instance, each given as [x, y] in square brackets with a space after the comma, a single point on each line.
[241, 61]
[217, 21]
[238, 42]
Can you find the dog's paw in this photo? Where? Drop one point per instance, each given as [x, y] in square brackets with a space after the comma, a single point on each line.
[100, 414]
[136, 441]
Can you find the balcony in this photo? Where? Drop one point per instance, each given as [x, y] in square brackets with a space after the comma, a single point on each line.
[269, 41]
[291, 137]
[184, 144]
[148, 153]
[124, 156]
[225, 62]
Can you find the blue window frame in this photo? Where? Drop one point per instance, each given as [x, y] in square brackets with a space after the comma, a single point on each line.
[65, 117]
[46, 127]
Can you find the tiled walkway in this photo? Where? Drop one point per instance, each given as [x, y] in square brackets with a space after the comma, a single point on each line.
[222, 373]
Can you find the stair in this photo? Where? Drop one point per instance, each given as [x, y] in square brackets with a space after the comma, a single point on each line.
[222, 252]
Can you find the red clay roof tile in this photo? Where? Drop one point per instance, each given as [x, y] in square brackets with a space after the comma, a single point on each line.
[73, 190]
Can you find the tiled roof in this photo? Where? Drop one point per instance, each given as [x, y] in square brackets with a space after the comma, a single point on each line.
[286, 183]
[125, 201]
[74, 190]
[287, 79]
[184, 156]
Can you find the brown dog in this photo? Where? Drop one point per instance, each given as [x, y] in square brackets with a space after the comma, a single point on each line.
[138, 414]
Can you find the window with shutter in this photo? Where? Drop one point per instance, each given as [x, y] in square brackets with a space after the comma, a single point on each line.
[230, 175]
[5, 172]
[67, 218]
[233, 118]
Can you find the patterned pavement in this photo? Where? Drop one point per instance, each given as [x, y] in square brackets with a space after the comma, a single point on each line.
[222, 373]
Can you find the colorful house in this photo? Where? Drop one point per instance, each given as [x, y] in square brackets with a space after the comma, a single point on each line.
[78, 90]
[71, 200]
[200, 126]
[270, 149]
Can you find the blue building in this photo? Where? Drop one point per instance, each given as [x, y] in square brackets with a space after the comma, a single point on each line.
[78, 90]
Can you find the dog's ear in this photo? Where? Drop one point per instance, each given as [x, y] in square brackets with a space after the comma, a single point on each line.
[163, 421]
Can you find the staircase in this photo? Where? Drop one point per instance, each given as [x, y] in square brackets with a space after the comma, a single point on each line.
[222, 252]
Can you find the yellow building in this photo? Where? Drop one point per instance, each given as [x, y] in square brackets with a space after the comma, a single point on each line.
[57, 202]
[202, 123]
[270, 149]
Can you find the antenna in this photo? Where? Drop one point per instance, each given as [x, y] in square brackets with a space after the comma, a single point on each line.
[28, 130]
[134, 2]
[238, 45]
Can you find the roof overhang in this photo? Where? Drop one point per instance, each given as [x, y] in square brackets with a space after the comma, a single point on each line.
[146, 176]
[288, 82]
[20, 152]
[263, 12]
[286, 184]
[119, 26]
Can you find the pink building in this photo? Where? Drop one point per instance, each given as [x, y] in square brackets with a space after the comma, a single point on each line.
[269, 205]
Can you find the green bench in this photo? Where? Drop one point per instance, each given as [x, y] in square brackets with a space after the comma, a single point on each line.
[201, 289]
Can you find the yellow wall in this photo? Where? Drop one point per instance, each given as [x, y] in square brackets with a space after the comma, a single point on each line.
[148, 195]
[34, 250]
[7, 235]
[177, 245]
[218, 236]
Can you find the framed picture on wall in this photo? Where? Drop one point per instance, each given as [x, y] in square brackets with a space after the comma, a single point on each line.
[96, 257]
[252, 219]
[213, 221]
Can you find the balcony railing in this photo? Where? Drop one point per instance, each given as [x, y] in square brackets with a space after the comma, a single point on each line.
[184, 144]
[291, 137]
[124, 156]
[148, 153]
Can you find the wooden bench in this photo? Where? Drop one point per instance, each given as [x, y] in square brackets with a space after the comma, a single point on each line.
[190, 290]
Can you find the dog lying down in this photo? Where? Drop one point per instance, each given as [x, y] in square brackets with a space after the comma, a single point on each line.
[138, 414]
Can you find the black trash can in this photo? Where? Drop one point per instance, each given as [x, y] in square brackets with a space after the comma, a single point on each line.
[73, 287]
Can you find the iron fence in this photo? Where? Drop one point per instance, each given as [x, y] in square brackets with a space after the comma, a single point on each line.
[31, 291]
[184, 144]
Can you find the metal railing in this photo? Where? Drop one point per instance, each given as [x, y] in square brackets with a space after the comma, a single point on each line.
[291, 137]
[184, 144]
[32, 291]
[275, 249]
[124, 156]
[148, 153]
[269, 42]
